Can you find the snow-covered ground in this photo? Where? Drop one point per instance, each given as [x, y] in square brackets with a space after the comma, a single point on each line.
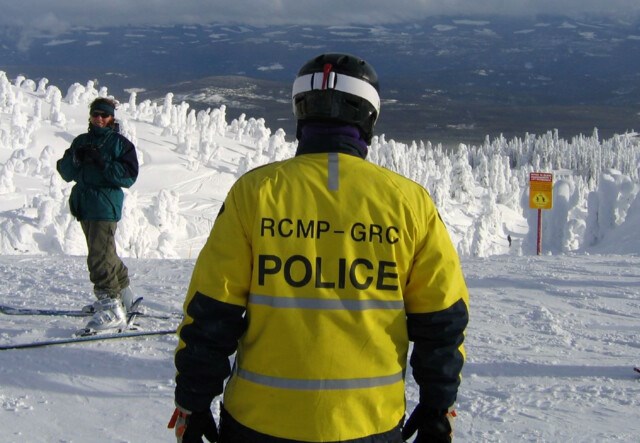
[551, 345]
[552, 338]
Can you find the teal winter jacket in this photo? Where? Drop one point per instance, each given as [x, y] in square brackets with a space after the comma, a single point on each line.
[97, 194]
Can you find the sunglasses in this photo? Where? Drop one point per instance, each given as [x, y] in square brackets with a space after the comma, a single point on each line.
[96, 114]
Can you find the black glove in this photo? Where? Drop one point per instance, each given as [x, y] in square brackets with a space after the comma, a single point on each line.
[433, 425]
[87, 155]
[192, 426]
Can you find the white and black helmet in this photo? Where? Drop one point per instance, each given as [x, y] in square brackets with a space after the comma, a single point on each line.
[337, 87]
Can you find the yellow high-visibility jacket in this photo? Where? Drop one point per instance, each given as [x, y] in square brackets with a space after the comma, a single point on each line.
[330, 255]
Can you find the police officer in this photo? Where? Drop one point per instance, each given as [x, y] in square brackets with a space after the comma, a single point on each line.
[319, 271]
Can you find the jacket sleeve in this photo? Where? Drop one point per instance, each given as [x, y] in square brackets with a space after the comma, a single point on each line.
[123, 170]
[213, 311]
[67, 166]
[207, 340]
[436, 301]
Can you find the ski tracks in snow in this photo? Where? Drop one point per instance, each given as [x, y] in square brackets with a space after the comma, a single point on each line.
[551, 339]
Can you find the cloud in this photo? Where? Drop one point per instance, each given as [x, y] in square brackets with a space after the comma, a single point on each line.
[37, 17]
[272, 67]
[47, 24]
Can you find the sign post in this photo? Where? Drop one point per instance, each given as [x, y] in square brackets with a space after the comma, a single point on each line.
[540, 197]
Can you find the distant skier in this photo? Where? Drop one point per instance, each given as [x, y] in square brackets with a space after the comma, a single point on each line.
[509, 239]
[101, 162]
[319, 270]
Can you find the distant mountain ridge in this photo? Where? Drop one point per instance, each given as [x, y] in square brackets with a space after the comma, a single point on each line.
[442, 79]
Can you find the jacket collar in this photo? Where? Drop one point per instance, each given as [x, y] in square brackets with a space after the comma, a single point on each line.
[99, 132]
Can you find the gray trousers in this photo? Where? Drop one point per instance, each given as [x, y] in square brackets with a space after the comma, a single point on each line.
[107, 272]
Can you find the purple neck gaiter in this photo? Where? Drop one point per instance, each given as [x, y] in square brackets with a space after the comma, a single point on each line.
[331, 137]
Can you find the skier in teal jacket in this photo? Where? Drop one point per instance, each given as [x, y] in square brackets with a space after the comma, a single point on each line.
[101, 162]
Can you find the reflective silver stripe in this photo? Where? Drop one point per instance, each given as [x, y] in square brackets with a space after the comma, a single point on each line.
[321, 303]
[333, 171]
[319, 385]
[342, 82]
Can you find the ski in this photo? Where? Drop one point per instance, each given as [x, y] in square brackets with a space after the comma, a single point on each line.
[88, 338]
[10, 310]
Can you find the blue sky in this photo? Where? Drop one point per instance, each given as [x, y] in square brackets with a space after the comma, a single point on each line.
[56, 16]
